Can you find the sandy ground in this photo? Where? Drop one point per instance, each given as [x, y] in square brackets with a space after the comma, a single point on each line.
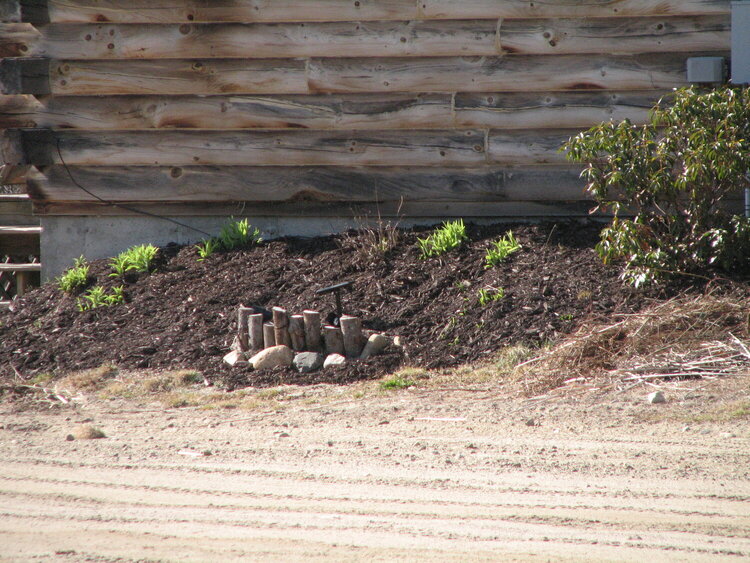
[430, 473]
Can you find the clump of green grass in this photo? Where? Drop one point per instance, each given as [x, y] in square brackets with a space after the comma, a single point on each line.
[487, 296]
[75, 277]
[500, 249]
[443, 239]
[237, 234]
[206, 248]
[97, 296]
[398, 381]
[137, 258]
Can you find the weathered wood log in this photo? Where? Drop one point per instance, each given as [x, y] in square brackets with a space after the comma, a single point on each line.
[356, 111]
[375, 39]
[166, 11]
[519, 73]
[204, 76]
[519, 110]
[251, 41]
[614, 36]
[138, 11]
[522, 147]
[301, 187]
[333, 339]
[281, 327]
[351, 332]
[448, 9]
[183, 148]
[297, 332]
[311, 321]
[269, 335]
[243, 333]
[255, 331]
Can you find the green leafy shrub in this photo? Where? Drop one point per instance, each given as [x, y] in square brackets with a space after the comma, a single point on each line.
[75, 277]
[137, 258]
[97, 296]
[443, 239]
[667, 183]
[237, 234]
[487, 296]
[500, 249]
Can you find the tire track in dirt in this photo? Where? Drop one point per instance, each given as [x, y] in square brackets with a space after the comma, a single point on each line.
[340, 483]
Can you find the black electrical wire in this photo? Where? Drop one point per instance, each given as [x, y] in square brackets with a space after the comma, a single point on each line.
[125, 207]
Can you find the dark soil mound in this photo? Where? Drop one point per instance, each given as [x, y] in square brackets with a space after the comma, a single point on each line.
[183, 315]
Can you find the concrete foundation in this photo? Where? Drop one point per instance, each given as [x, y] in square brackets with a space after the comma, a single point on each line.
[66, 238]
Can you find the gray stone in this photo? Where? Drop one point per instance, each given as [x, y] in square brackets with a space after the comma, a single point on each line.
[306, 362]
[375, 345]
[656, 397]
[273, 357]
[334, 360]
[235, 358]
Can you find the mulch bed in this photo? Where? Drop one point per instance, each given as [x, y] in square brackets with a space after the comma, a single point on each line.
[183, 314]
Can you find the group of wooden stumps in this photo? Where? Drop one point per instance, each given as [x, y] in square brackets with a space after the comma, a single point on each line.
[299, 332]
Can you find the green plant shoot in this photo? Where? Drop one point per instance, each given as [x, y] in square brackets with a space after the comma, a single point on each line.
[500, 249]
[443, 239]
[75, 277]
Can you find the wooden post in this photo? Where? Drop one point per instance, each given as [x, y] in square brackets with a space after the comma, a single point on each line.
[281, 327]
[297, 332]
[333, 339]
[255, 331]
[21, 283]
[269, 335]
[243, 313]
[351, 331]
[312, 330]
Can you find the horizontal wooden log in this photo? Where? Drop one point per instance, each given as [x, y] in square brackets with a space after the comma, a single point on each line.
[516, 110]
[519, 147]
[309, 185]
[519, 110]
[416, 211]
[368, 39]
[615, 36]
[359, 111]
[207, 76]
[271, 148]
[254, 41]
[167, 11]
[450, 9]
[520, 73]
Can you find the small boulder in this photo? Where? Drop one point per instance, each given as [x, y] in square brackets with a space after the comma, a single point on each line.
[305, 362]
[375, 345]
[656, 397]
[334, 360]
[273, 357]
[235, 358]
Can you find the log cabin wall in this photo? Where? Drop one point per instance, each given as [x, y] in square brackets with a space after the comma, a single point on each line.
[329, 108]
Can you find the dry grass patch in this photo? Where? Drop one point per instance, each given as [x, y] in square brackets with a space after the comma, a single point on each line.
[89, 379]
[683, 338]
